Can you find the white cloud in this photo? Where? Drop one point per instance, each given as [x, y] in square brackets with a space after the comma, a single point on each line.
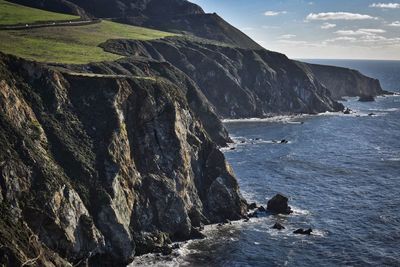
[293, 42]
[327, 25]
[247, 28]
[373, 30]
[287, 36]
[386, 5]
[338, 16]
[395, 24]
[365, 38]
[274, 13]
[359, 32]
[342, 38]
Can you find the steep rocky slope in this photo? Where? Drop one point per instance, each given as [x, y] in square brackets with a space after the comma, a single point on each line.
[239, 82]
[343, 81]
[60, 6]
[99, 168]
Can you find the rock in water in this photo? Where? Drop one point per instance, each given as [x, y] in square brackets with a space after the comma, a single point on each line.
[252, 206]
[278, 226]
[301, 231]
[261, 209]
[279, 205]
[196, 234]
[347, 111]
[366, 98]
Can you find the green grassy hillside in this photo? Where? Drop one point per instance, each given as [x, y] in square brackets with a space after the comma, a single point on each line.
[11, 13]
[74, 45]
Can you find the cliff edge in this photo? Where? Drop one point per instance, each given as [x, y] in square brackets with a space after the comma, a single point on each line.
[96, 168]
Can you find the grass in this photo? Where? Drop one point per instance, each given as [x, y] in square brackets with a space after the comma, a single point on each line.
[11, 13]
[72, 45]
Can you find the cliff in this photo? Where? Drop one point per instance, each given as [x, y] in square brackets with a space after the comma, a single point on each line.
[96, 168]
[343, 81]
[239, 82]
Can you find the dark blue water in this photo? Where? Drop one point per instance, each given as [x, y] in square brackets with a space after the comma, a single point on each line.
[342, 175]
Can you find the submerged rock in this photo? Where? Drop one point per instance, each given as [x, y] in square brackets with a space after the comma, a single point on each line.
[279, 205]
[301, 231]
[278, 226]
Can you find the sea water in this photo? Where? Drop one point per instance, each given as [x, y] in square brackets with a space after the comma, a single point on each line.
[342, 176]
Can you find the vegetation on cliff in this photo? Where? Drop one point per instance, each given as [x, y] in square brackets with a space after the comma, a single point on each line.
[73, 45]
[11, 13]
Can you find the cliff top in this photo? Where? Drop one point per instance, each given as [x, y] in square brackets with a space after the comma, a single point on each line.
[63, 44]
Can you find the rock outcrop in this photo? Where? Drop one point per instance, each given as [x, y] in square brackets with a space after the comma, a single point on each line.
[279, 205]
[343, 81]
[97, 168]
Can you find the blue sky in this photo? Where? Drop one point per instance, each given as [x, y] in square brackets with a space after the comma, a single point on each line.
[357, 29]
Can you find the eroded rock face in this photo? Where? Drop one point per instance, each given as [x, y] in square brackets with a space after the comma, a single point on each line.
[92, 167]
[343, 81]
[240, 83]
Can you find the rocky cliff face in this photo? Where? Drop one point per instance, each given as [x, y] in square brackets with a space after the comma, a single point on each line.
[344, 82]
[95, 169]
[239, 82]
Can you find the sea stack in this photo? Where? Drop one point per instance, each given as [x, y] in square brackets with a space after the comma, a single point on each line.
[279, 205]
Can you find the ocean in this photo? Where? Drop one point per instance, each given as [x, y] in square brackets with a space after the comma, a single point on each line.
[341, 174]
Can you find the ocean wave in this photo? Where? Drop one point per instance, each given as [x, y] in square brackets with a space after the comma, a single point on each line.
[278, 118]
[384, 109]
[299, 211]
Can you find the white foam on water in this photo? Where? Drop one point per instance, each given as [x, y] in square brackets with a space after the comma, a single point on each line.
[319, 233]
[279, 118]
[298, 211]
[384, 109]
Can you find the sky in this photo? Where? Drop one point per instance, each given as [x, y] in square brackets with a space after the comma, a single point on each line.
[326, 29]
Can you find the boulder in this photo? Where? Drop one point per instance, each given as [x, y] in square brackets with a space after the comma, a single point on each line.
[279, 205]
[347, 111]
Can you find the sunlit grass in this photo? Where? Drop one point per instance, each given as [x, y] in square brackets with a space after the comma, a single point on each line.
[11, 13]
[74, 45]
